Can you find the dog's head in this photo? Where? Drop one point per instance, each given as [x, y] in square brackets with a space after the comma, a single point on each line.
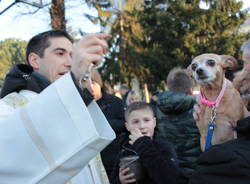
[209, 67]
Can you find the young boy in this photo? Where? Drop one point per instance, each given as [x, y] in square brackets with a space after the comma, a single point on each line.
[157, 157]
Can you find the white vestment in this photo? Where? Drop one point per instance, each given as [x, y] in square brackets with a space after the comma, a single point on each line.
[50, 138]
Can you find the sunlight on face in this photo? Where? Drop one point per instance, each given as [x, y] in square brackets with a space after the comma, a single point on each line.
[56, 59]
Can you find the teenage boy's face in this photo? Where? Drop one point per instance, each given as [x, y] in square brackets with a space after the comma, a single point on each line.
[142, 120]
[56, 59]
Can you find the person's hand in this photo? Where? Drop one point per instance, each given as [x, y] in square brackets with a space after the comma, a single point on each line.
[88, 50]
[125, 176]
[198, 110]
[135, 134]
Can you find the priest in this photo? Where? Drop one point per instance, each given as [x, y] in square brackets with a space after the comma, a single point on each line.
[51, 130]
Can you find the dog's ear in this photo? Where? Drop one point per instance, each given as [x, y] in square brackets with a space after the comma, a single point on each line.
[228, 62]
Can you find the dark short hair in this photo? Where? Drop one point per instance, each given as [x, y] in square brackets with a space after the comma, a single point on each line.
[137, 106]
[179, 80]
[40, 42]
[124, 86]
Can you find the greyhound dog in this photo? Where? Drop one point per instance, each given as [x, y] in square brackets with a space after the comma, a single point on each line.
[220, 102]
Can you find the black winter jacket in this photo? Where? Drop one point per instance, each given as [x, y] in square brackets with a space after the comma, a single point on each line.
[178, 127]
[227, 163]
[158, 159]
[22, 76]
[113, 109]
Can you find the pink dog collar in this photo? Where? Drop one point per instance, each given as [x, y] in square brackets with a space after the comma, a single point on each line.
[218, 99]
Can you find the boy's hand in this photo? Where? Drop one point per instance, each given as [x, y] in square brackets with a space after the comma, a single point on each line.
[125, 176]
[135, 134]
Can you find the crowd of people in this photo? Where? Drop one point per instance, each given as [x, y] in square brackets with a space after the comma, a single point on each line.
[156, 142]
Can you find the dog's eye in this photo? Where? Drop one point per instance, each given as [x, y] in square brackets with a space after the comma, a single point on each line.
[194, 66]
[211, 62]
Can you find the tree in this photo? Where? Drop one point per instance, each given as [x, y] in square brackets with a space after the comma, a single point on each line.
[186, 30]
[150, 37]
[120, 65]
[57, 14]
[12, 52]
[165, 34]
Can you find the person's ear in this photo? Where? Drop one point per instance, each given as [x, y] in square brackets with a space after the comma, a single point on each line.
[154, 122]
[126, 125]
[34, 61]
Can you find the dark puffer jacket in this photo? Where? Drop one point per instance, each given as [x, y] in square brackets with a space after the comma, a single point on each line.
[227, 163]
[22, 77]
[113, 109]
[178, 127]
[158, 159]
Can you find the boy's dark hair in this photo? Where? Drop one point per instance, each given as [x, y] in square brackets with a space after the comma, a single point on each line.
[137, 106]
[179, 80]
[40, 42]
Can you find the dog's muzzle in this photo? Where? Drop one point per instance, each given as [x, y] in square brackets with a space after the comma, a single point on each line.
[201, 73]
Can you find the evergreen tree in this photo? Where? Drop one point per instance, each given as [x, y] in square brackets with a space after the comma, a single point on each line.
[165, 34]
[12, 51]
[123, 62]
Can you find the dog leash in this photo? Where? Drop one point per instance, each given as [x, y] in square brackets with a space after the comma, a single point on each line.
[210, 131]
[213, 105]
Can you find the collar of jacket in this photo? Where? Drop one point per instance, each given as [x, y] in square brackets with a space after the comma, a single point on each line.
[21, 77]
[174, 103]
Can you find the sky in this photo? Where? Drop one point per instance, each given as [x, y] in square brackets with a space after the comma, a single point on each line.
[16, 23]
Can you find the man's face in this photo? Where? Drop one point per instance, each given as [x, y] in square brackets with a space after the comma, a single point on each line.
[246, 59]
[56, 60]
[143, 120]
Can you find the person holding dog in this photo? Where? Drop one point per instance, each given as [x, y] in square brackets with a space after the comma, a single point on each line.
[241, 80]
[225, 163]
